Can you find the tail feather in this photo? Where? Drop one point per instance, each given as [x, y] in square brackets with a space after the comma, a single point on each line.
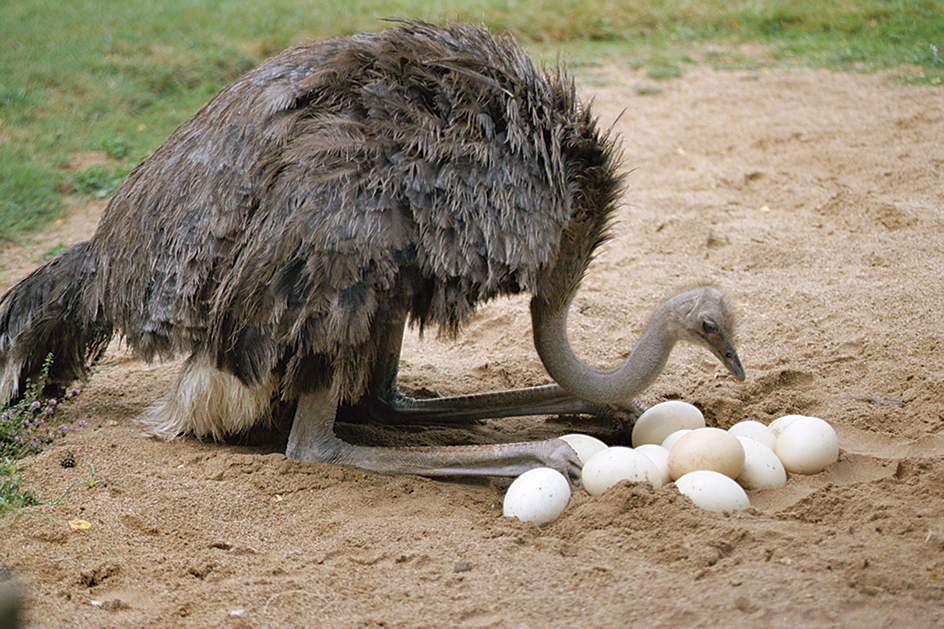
[49, 312]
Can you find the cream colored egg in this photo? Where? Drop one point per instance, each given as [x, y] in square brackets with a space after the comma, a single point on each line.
[756, 431]
[780, 423]
[657, 423]
[807, 446]
[659, 456]
[713, 491]
[539, 495]
[606, 468]
[707, 449]
[675, 436]
[762, 468]
[584, 445]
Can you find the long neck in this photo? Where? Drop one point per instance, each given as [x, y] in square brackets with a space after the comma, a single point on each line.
[638, 371]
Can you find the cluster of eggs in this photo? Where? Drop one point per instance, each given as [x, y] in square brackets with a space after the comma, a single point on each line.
[671, 443]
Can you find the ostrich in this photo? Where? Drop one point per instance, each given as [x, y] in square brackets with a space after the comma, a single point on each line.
[284, 236]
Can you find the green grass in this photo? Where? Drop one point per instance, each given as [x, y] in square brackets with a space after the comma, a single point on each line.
[99, 181]
[30, 191]
[96, 75]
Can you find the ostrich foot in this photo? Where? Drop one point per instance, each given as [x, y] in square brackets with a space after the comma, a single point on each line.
[312, 439]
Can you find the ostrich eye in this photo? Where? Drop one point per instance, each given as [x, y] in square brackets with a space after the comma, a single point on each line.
[709, 327]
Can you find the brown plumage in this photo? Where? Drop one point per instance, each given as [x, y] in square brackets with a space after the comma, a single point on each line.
[283, 236]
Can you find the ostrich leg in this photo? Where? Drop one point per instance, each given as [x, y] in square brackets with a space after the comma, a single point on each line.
[387, 404]
[312, 439]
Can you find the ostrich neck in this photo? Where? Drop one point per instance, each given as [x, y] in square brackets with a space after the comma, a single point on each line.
[632, 377]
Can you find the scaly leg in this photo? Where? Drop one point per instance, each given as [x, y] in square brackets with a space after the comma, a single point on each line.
[387, 404]
[312, 439]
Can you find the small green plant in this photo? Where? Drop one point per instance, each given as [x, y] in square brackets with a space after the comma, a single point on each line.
[32, 423]
[99, 181]
[116, 147]
[55, 250]
[89, 482]
[664, 71]
[661, 67]
[13, 497]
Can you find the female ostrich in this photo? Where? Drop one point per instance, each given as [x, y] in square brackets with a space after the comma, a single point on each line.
[285, 235]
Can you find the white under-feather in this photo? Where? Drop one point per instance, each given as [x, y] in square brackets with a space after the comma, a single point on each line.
[10, 381]
[206, 401]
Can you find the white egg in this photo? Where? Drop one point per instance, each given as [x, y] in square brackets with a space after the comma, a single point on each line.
[713, 491]
[659, 456]
[658, 422]
[606, 468]
[674, 437]
[707, 449]
[762, 468]
[539, 495]
[780, 423]
[584, 445]
[807, 445]
[755, 430]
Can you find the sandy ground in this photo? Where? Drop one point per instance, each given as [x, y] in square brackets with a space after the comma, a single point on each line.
[814, 199]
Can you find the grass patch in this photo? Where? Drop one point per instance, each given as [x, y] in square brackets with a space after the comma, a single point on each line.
[30, 193]
[662, 67]
[664, 71]
[55, 250]
[99, 181]
[117, 148]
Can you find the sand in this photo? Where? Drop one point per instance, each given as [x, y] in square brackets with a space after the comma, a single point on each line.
[813, 198]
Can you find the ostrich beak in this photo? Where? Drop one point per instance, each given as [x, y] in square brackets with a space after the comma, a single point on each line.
[729, 358]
